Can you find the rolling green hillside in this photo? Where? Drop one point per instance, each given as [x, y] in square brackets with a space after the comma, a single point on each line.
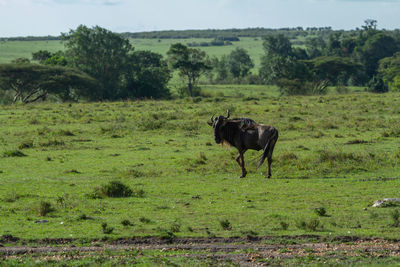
[10, 50]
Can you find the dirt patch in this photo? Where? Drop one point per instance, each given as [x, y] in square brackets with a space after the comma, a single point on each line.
[246, 251]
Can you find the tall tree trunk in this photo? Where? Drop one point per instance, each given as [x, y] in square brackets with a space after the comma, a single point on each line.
[190, 87]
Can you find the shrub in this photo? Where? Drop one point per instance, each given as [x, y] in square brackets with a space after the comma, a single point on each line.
[321, 211]
[112, 189]
[310, 225]
[377, 85]
[45, 208]
[107, 229]
[225, 224]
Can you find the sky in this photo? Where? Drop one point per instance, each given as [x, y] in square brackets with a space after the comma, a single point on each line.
[52, 17]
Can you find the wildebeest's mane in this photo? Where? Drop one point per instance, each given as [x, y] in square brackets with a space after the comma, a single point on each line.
[229, 130]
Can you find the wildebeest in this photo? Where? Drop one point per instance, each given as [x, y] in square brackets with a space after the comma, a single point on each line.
[244, 134]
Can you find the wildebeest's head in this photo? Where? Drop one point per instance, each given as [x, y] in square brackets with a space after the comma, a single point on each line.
[218, 124]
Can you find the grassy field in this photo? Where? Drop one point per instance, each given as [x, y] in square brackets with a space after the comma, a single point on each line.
[336, 155]
[14, 49]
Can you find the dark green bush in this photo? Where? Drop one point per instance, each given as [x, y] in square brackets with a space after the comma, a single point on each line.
[112, 189]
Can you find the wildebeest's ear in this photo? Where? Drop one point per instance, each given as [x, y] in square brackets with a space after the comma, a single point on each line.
[209, 123]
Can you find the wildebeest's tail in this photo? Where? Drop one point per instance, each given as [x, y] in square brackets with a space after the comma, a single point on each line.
[269, 147]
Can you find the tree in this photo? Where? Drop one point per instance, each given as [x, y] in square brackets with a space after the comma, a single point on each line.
[239, 63]
[48, 58]
[221, 68]
[277, 45]
[389, 70]
[147, 77]
[102, 54]
[190, 62]
[377, 85]
[334, 45]
[41, 55]
[32, 82]
[330, 68]
[376, 47]
[315, 47]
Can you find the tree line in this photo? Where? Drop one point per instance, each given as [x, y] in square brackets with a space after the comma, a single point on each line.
[98, 64]
[369, 57]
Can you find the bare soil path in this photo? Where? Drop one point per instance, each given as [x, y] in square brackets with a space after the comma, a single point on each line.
[243, 251]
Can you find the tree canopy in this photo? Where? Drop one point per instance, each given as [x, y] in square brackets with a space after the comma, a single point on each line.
[33, 82]
[190, 62]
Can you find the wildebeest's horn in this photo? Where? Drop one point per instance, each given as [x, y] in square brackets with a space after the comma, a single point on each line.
[228, 113]
[212, 118]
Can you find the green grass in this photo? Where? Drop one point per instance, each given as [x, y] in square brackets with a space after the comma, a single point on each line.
[333, 151]
[10, 50]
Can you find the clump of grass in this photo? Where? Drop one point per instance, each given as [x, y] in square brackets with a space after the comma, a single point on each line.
[132, 173]
[166, 234]
[288, 156]
[112, 189]
[356, 142]
[321, 211]
[126, 223]
[53, 142]
[34, 121]
[225, 224]
[106, 229]
[84, 217]
[318, 134]
[13, 153]
[139, 193]
[148, 124]
[393, 132]
[144, 220]
[26, 144]
[337, 156]
[284, 225]
[65, 133]
[201, 160]
[44, 131]
[175, 227]
[45, 208]
[395, 215]
[311, 225]
[11, 197]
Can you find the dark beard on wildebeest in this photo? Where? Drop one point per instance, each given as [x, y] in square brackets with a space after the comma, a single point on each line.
[244, 134]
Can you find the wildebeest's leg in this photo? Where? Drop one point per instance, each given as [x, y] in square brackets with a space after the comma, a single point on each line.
[238, 160]
[244, 172]
[274, 138]
[269, 167]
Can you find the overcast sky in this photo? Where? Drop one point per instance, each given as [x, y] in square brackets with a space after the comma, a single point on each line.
[51, 17]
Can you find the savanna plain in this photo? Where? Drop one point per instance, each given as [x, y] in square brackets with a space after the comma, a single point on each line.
[335, 156]
[143, 182]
